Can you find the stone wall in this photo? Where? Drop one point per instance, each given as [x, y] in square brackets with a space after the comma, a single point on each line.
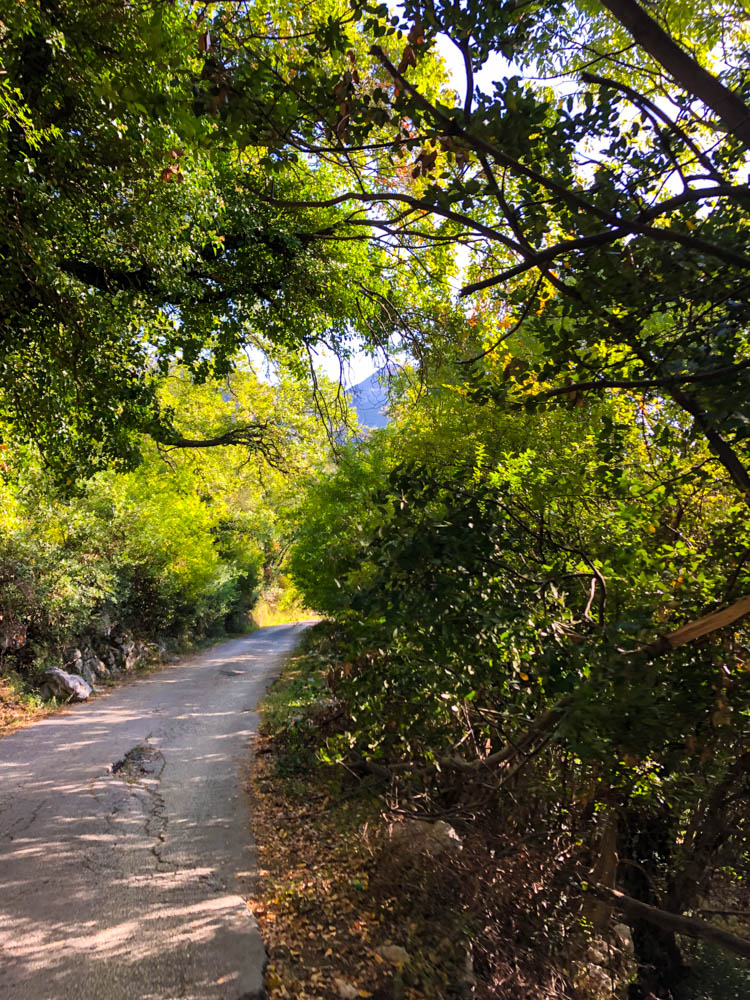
[96, 661]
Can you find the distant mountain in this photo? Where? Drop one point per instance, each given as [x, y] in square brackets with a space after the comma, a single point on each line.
[370, 401]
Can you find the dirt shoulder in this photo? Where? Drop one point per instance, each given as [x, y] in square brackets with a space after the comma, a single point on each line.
[352, 902]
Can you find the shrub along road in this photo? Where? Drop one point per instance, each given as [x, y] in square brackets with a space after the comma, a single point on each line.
[125, 852]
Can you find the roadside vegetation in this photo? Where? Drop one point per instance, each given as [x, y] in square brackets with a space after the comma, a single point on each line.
[350, 903]
[181, 550]
[492, 589]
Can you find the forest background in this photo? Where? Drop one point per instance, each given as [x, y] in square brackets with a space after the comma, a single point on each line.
[536, 577]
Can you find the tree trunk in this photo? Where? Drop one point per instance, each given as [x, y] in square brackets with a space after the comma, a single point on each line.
[689, 74]
[646, 849]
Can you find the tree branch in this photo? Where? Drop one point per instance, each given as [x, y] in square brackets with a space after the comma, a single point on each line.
[701, 626]
[417, 203]
[674, 922]
[723, 451]
[541, 725]
[644, 103]
[626, 227]
[254, 436]
[686, 71]
[108, 279]
[646, 383]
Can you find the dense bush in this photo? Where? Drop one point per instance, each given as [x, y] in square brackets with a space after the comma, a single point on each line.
[500, 583]
[137, 551]
[179, 548]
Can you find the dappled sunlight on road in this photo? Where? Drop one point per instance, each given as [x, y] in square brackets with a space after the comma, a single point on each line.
[132, 884]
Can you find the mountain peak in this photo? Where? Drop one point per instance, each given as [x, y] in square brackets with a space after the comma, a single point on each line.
[369, 399]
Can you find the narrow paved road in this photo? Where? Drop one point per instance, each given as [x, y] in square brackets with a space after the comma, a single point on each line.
[130, 884]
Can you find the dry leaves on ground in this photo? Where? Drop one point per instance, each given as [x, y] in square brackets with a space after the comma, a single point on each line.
[320, 922]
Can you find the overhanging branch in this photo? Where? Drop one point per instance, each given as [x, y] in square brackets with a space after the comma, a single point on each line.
[686, 71]
[665, 382]
[254, 436]
[674, 922]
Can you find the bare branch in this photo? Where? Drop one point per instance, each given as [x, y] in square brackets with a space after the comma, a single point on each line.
[643, 102]
[702, 626]
[675, 922]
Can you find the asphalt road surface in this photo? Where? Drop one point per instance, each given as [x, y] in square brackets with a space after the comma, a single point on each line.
[125, 849]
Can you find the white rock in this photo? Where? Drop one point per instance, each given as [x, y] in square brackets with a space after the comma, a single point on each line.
[89, 666]
[597, 953]
[468, 976]
[64, 685]
[592, 981]
[346, 990]
[445, 836]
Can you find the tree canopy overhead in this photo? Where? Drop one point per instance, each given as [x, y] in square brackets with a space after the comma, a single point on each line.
[600, 188]
[183, 181]
[132, 237]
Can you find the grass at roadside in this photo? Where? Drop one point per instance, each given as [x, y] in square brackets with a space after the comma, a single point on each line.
[19, 706]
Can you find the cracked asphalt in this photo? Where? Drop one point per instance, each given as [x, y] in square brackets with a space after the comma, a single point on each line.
[131, 884]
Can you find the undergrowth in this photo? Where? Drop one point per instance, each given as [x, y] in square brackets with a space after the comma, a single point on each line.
[19, 705]
[342, 886]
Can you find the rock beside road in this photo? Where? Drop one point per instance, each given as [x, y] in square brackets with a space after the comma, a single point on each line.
[415, 837]
[60, 684]
[394, 954]
[86, 664]
[97, 661]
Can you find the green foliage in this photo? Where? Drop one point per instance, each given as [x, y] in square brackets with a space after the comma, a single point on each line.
[132, 233]
[571, 484]
[291, 708]
[494, 564]
[601, 226]
[179, 547]
[514, 574]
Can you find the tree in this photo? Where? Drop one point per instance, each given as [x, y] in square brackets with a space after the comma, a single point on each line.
[179, 547]
[605, 214]
[131, 236]
[506, 588]
[627, 220]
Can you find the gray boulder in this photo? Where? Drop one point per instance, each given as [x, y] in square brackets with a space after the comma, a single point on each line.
[120, 653]
[624, 939]
[87, 664]
[110, 659]
[125, 650]
[423, 837]
[92, 668]
[60, 684]
[143, 651]
[394, 954]
[129, 655]
[72, 659]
